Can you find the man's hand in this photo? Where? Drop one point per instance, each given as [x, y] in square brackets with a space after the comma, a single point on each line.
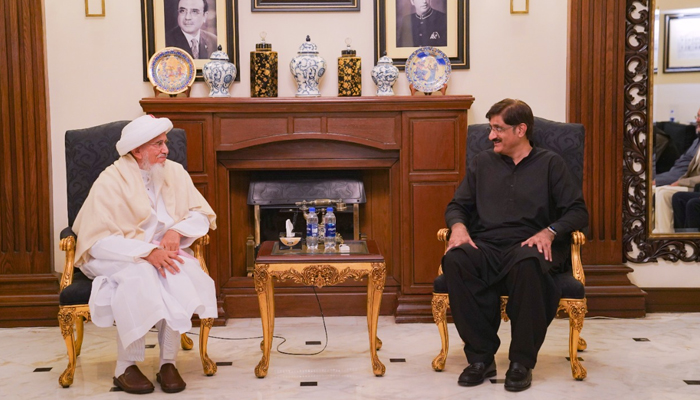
[164, 260]
[543, 240]
[171, 241]
[459, 236]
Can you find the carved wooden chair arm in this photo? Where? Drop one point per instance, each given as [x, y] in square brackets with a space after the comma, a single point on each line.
[198, 250]
[67, 244]
[578, 239]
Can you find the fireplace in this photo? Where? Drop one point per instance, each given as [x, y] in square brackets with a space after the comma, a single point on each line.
[280, 196]
[408, 153]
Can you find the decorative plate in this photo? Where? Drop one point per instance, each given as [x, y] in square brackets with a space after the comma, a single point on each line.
[428, 69]
[171, 70]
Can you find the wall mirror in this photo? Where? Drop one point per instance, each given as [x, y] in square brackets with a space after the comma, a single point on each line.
[661, 102]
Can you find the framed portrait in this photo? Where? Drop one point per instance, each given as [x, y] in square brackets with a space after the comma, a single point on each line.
[304, 5]
[402, 26]
[682, 39]
[196, 26]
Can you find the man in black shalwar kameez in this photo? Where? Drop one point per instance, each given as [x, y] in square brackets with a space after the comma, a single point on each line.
[511, 220]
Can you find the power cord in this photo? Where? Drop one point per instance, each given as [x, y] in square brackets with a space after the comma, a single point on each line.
[325, 330]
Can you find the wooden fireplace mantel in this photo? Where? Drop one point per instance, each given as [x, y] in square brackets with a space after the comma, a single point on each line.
[411, 152]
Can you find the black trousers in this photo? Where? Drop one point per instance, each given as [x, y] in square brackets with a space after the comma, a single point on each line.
[686, 209]
[533, 299]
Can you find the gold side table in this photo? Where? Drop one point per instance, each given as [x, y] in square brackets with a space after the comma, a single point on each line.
[319, 269]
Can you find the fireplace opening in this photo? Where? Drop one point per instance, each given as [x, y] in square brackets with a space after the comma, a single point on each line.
[278, 196]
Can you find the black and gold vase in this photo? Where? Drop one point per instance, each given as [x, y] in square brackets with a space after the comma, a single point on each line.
[263, 70]
[349, 73]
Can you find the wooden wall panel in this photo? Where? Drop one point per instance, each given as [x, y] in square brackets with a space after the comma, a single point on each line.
[28, 285]
[596, 99]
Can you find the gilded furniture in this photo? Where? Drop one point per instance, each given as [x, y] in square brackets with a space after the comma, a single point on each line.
[322, 269]
[568, 141]
[88, 152]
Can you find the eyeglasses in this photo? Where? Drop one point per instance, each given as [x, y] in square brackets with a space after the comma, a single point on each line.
[500, 129]
[160, 143]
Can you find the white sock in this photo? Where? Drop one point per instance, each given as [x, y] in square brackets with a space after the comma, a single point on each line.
[121, 367]
[166, 361]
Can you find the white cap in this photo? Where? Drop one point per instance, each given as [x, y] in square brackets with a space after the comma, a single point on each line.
[140, 131]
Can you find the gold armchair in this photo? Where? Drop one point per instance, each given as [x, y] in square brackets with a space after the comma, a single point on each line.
[88, 152]
[566, 139]
[573, 302]
[75, 312]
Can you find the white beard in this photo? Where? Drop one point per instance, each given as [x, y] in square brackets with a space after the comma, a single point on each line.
[156, 172]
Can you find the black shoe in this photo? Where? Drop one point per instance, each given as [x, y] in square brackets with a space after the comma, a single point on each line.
[518, 377]
[475, 373]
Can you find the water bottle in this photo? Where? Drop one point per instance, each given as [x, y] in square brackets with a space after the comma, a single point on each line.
[312, 229]
[672, 118]
[329, 221]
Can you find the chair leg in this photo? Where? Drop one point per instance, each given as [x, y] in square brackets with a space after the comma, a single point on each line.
[577, 311]
[582, 345]
[185, 342]
[66, 320]
[207, 364]
[79, 325]
[439, 305]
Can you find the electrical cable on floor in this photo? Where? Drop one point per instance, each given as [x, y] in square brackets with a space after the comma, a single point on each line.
[325, 330]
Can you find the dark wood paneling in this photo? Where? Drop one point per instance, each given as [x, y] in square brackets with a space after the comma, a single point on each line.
[307, 125]
[673, 299]
[28, 286]
[195, 144]
[427, 199]
[433, 145]
[596, 99]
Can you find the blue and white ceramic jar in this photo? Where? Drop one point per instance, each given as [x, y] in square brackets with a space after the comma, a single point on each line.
[384, 75]
[308, 68]
[219, 74]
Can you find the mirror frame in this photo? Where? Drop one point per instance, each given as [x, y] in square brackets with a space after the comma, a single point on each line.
[639, 245]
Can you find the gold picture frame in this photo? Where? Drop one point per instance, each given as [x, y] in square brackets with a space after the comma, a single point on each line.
[90, 8]
[390, 18]
[159, 19]
[517, 7]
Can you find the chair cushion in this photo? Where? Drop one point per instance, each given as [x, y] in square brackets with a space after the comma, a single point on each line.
[77, 292]
[570, 287]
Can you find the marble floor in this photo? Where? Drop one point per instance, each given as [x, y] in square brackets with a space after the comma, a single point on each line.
[618, 366]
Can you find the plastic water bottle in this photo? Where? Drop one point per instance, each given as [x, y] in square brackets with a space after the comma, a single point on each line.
[329, 221]
[312, 229]
[672, 118]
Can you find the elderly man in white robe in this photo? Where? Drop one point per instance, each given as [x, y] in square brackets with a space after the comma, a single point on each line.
[134, 230]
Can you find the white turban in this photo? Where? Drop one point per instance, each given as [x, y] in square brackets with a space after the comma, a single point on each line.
[140, 131]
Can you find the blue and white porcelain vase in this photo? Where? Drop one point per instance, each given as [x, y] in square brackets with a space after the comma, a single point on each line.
[219, 74]
[308, 68]
[384, 75]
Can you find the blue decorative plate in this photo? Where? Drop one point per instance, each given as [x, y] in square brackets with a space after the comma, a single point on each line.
[171, 70]
[428, 69]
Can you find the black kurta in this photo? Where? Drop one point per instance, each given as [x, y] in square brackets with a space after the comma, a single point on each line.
[503, 204]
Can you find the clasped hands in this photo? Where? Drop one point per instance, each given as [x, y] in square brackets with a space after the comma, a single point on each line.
[163, 258]
[542, 240]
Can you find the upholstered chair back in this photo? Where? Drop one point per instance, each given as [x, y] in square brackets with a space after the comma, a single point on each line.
[563, 138]
[89, 151]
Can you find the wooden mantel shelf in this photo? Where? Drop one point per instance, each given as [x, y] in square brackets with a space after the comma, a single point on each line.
[297, 104]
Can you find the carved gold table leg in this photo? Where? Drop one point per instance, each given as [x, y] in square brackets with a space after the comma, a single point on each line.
[439, 305]
[375, 288]
[66, 320]
[208, 365]
[185, 342]
[577, 310]
[265, 290]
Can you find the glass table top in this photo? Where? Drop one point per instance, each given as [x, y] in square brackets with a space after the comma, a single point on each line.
[350, 247]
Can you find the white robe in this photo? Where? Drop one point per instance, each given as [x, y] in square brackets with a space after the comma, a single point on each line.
[129, 291]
